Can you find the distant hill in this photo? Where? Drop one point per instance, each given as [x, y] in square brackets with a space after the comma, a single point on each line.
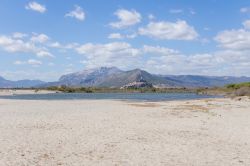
[19, 84]
[205, 81]
[126, 77]
[89, 78]
[114, 77]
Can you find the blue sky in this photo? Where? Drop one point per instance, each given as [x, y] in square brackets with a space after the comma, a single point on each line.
[44, 39]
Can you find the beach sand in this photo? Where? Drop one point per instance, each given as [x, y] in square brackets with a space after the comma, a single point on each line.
[207, 132]
[9, 92]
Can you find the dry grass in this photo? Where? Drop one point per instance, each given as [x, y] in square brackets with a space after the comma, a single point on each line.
[146, 105]
[243, 91]
[193, 107]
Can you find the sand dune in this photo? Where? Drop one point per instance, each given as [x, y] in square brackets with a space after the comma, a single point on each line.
[104, 132]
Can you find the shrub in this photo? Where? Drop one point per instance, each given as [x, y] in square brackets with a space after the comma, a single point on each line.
[243, 91]
[238, 86]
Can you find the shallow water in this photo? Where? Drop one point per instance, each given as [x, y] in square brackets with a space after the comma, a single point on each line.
[116, 96]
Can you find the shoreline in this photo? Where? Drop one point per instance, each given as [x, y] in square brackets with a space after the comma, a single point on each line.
[133, 97]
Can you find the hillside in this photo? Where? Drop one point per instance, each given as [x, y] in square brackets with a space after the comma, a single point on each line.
[112, 77]
[116, 78]
[19, 84]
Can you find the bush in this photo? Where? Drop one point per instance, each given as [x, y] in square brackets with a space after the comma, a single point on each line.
[238, 86]
[243, 91]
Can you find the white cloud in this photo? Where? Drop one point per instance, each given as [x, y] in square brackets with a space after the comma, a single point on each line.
[55, 45]
[63, 47]
[77, 13]
[44, 53]
[120, 36]
[192, 11]
[115, 36]
[13, 45]
[16, 45]
[30, 74]
[159, 50]
[246, 24]
[51, 64]
[207, 29]
[235, 53]
[110, 49]
[156, 59]
[35, 7]
[71, 45]
[19, 63]
[163, 60]
[204, 40]
[39, 38]
[234, 39]
[18, 35]
[179, 30]
[175, 11]
[110, 54]
[151, 17]
[245, 10]
[32, 62]
[126, 18]
[131, 36]
[221, 63]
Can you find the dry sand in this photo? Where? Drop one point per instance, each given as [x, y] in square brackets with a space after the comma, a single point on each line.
[8, 92]
[212, 132]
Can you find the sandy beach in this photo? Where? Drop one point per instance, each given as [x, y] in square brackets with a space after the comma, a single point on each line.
[9, 92]
[207, 132]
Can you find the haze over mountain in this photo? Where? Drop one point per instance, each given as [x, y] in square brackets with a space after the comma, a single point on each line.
[19, 84]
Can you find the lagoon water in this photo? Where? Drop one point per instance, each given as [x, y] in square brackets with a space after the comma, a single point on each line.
[113, 96]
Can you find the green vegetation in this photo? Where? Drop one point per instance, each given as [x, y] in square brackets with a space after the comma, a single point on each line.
[66, 89]
[238, 86]
[241, 89]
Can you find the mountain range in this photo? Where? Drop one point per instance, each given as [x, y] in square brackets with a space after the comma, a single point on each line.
[19, 84]
[114, 77]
